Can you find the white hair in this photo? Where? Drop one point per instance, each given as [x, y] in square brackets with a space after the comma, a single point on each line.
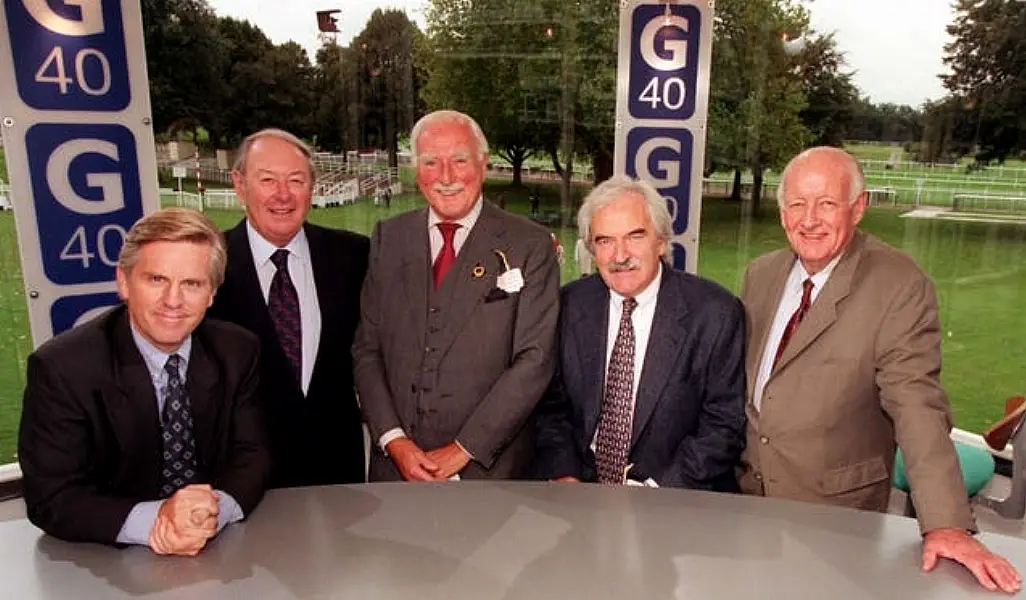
[448, 116]
[856, 178]
[615, 188]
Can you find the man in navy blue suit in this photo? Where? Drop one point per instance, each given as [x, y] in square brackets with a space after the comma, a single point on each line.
[650, 383]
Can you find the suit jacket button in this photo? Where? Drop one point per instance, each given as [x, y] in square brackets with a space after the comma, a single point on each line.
[764, 439]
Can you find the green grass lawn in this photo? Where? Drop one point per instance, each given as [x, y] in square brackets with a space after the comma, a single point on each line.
[979, 270]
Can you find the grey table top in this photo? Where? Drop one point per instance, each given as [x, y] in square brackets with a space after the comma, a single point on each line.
[508, 541]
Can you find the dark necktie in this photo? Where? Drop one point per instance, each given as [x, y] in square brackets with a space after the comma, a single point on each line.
[614, 430]
[283, 305]
[179, 466]
[447, 255]
[795, 320]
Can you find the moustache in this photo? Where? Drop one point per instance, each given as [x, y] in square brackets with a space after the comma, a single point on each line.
[628, 264]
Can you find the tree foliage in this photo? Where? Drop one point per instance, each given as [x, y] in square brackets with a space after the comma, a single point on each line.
[226, 76]
[182, 47]
[756, 94]
[387, 79]
[987, 83]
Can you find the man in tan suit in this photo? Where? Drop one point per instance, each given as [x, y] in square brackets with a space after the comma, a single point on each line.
[838, 378]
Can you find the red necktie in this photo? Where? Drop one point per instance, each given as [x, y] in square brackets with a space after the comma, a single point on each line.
[448, 254]
[796, 319]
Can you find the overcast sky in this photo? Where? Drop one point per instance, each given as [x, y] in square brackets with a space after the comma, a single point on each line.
[895, 46]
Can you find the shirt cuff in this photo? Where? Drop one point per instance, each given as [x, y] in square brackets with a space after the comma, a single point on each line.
[228, 510]
[647, 483]
[465, 451]
[139, 523]
[390, 436]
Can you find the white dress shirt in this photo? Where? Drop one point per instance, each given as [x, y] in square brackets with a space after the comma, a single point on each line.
[301, 272]
[435, 239]
[641, 319]
[789, 302]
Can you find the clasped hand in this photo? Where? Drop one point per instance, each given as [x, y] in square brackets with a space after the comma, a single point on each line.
[435, 465]
[185, 521]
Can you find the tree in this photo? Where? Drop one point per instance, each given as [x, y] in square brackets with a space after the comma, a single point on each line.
[539, 76]
[388, 81]
[330, 85]
[987, 59]
[182, 47]
[245, 79]
[885, 122]
[830, 96]
[480, 63]
[268, 85]
[756, 96]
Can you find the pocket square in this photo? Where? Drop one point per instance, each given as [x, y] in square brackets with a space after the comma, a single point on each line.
[495, 294]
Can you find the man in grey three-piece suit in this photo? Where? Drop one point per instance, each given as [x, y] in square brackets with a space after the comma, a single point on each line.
[458, 316]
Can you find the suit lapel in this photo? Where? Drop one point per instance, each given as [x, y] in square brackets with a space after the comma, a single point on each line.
[463, 290]
[241, 267]
[133, 407]
[590, 329]
[765, 300]
[823, 312]
[664, 344]
[416, 270]
[204, 387]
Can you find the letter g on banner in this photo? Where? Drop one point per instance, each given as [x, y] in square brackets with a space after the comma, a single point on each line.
[677, 48]
[87, 194]
[58, 171]
[663, 158]
[91, 22]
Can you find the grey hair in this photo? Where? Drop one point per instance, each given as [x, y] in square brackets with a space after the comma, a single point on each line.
[856, 177]
[615, 188]
[448, 116]
[247, 144]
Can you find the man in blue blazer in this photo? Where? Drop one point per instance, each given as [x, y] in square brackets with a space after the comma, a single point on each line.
[650, 382]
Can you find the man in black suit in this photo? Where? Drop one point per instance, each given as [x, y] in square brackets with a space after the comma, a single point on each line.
[650, 383]
[297, 286]
[143, 426]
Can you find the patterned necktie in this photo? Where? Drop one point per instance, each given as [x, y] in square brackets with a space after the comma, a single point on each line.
[614, 430]
[795, 320]
[447, 256]
[283, 305]
[179, 468]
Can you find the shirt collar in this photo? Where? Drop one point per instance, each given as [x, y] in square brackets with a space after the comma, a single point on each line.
[819, 279]
[646, 297]
[467, 222]
[155, 358]
[262, 249]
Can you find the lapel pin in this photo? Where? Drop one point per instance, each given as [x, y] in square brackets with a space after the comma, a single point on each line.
[479, 271]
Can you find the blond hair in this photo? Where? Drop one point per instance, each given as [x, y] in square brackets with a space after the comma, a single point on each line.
[176, 225]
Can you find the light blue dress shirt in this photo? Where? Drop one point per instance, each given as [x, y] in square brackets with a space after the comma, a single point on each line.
[136, 528]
